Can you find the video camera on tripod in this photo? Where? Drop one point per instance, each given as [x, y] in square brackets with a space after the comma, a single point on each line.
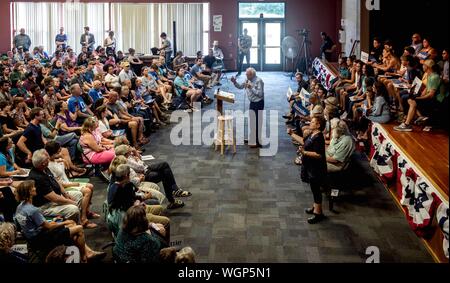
[304, 60]
[303, 32]
[299, 54]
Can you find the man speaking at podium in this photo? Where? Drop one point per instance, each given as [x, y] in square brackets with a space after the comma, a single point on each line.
[254, 88]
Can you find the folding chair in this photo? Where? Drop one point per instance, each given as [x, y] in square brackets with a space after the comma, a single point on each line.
[333, 191]
[221, 67]
[91, 167]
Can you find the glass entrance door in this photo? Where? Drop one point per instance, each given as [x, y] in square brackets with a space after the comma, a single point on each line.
[255, 51]
[273, 32]
[266, 34]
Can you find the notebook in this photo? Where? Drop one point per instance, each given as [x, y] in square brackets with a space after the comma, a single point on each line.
[399, 84]
[289, 93]
[417, 85]
[148, 158]
[27, 173]
[364, 57]
[118, 133]
[148, 99]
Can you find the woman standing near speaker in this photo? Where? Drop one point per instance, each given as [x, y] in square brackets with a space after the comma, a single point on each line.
[314, 169]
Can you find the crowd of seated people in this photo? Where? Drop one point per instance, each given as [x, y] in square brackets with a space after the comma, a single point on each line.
[384, 89]
[62, 113]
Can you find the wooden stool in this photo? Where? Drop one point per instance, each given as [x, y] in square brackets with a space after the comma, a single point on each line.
[225, 133]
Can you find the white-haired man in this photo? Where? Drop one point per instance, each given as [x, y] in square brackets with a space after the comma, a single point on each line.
[254, 89]
[51, 198]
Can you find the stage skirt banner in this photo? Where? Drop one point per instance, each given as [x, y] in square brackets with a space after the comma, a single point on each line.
[323, 73]
[420, 200]
[384, 158]
[442, 218]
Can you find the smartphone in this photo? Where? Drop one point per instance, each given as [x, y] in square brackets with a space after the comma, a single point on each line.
[154, 226]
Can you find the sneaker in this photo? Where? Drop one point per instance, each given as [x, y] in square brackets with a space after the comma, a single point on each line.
[105, 175]
[316, 218]
[290, 122]
[344, 116]
[421, 120]
[195, 109]
[188, 110]
[176, 204]
[427, 129]
[403, 128]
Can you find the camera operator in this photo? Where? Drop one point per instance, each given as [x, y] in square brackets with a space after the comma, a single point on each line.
[327, 48]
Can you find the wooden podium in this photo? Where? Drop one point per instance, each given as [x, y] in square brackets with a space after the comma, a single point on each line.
[221, 97]
[225, 129]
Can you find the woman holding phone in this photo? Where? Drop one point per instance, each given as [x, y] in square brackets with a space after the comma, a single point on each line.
[8, 166]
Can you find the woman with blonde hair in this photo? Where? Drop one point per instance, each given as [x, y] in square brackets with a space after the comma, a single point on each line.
[122, 153]
[96, 149]
[144, 187]
[185, 255]
[7, 240]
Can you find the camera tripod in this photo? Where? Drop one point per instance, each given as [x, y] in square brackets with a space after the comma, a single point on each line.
[303, 60]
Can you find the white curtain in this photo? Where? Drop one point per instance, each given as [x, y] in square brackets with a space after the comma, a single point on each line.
[131, 24]
[135, 25]
[78, 15]
[140, 25]
[38, 20]
[189, 19]
[43, 20]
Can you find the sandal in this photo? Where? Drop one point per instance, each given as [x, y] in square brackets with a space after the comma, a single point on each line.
[96, 256]
[176, 204]
[181, 193]
[78, 173]
[80, 170]
[93, 215]
[144, 141]
[89, 225]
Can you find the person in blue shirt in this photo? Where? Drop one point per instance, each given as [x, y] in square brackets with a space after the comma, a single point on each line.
[95, 93]
[61, 39]
[183, 89]
[89, 73]
[77, 105]
[8, 166]
[44, 235]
